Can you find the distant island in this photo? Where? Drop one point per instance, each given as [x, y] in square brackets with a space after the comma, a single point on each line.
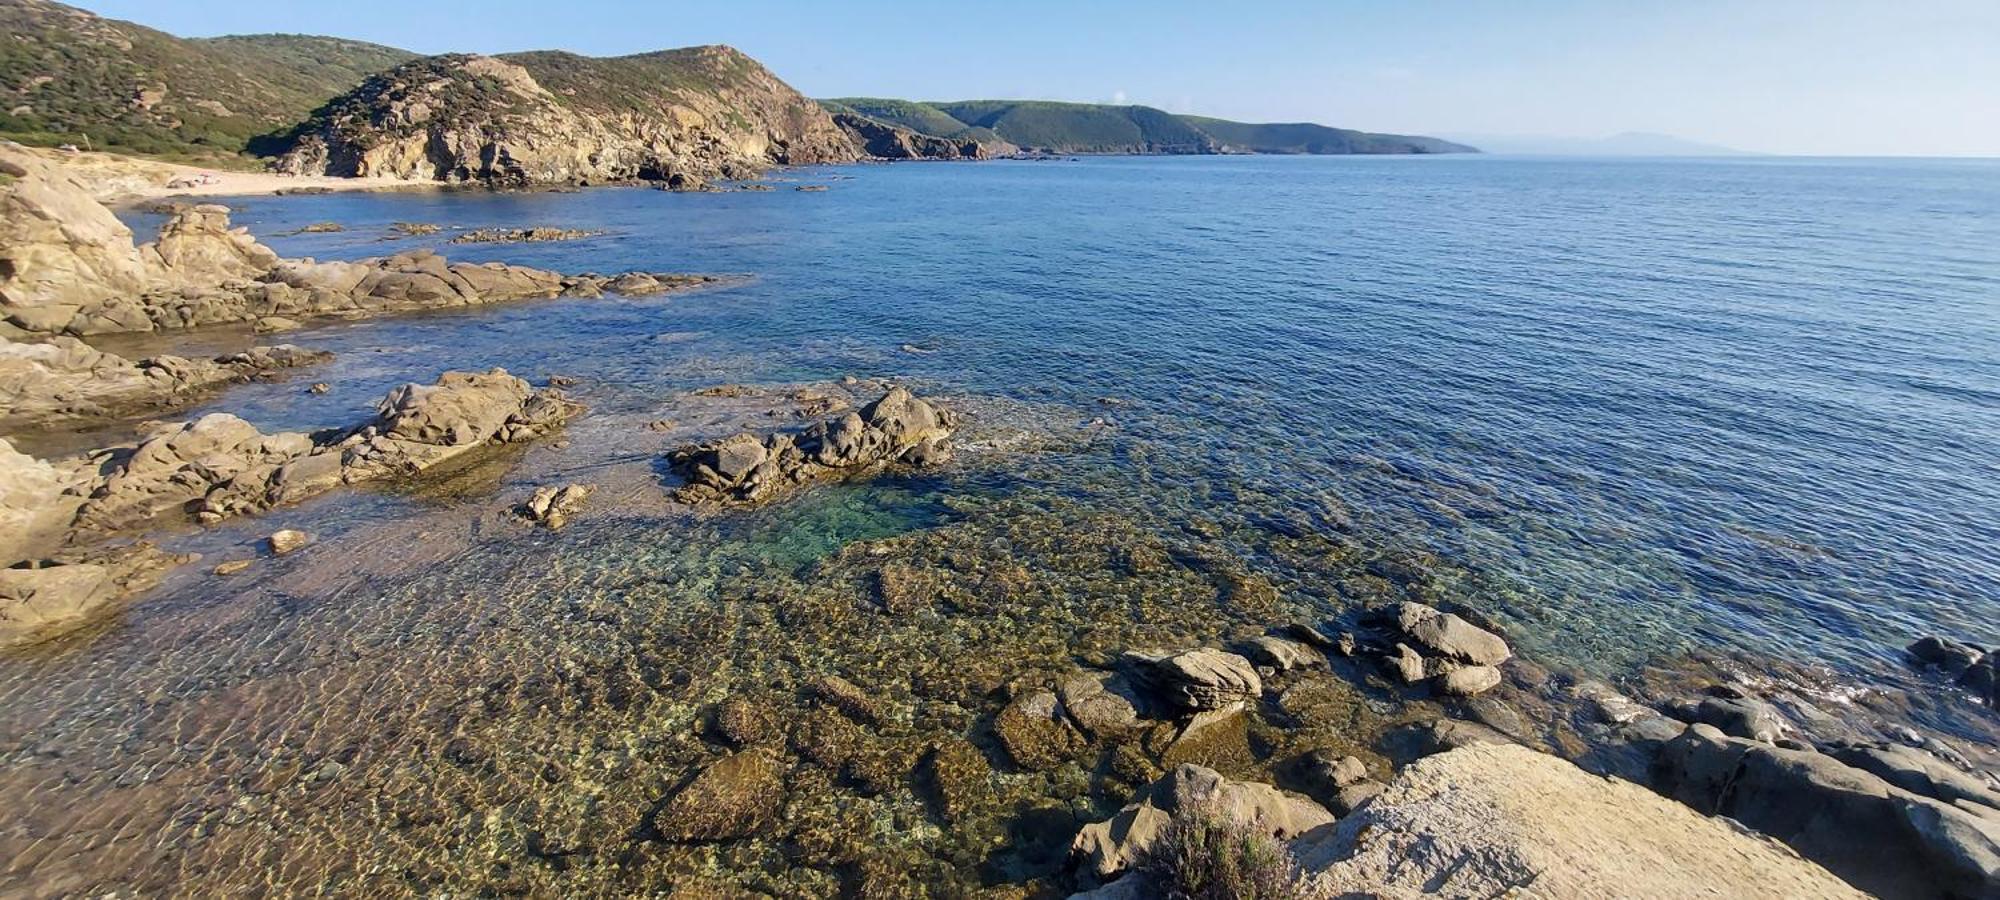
[311, 105]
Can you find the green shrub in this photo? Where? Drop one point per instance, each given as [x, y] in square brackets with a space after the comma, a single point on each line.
[1205, 856]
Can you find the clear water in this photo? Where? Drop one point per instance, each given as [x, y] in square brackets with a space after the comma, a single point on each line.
[1631, 409]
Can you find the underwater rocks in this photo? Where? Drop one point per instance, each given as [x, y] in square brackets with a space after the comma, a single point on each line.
[1500, 819]
[220, 466]
[743, 469]
[62, 379]
[1969, 667]
[733, 797]
[551, 506]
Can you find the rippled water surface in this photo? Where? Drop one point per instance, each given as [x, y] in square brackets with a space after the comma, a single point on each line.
[1629, 409]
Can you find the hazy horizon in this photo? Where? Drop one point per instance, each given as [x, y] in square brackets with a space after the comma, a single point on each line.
[1781, 77]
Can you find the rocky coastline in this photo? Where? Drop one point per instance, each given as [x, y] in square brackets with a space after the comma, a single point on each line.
[1398, 748]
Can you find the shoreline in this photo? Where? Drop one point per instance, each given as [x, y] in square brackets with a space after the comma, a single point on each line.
[119, 180]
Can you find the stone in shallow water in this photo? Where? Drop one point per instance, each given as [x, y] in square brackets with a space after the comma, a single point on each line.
[734, 797]
[1034, 733]
[288, 540]
[744, 723]
[1104, 705]
[1448, 635]
[1110, 847]
[1197, 679]
[1467, 681]
[850, 699]
[1282, 654]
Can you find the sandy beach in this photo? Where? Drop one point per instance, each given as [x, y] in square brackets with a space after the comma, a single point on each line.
[116, 179]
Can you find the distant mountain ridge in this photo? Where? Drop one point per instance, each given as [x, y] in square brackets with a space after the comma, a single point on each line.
[1055, 127]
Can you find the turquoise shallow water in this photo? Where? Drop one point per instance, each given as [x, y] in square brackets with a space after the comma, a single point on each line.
[1744, 403]
[1632, 411]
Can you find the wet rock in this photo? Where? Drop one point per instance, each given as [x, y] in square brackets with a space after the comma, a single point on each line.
[1442, 735]
[1982, 679]
[1744, 718]
[1503, 820]
[286, 541]
[523, 235]
[1944, 654]
[1446, 634]
[1034, 732]
[1105, 849]
[958, 779]
[1407, 663]
[742, 468]
[1103, 705]
[734, 797]
[1918, 772]
[1340, 783]
[552, 506]
[1881, 838]
[232, 567]
[1281, 654]
[1468, 681]
[53, 597]
[319, 387]
[413, 229]
[1214, 737]
[845, 696]
[1194, 680]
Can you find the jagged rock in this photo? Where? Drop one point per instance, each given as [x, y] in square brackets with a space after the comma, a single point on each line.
[1502, 820]
[552, 506]
[1195, 680]
[884, 141]
[741, 468]
[1883, 839]
[1108, 848]
[62, 379]
[734, 797]
[523, 235]
[37, 503]
[468, 118]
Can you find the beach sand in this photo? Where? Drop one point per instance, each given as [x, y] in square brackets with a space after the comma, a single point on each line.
[116, 179]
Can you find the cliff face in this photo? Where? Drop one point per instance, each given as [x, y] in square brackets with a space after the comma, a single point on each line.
[677, 116]
[883, 141]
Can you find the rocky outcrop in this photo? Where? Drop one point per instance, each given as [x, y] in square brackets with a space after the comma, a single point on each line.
[1420, 644]
[551, 506]
[220, 466]
[1926, 834]
[63, 379]
[541, 118]
[884, 141]
[523, 235]
[67, 266]
[1498, 819]
[1195, 680]
[743, 468]
[1969, 667]
[53, 597]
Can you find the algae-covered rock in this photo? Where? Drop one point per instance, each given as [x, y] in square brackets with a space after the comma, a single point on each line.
[736, 796]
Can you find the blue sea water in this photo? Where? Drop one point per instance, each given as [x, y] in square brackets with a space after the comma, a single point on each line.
[1745, 403]
[1632, 411]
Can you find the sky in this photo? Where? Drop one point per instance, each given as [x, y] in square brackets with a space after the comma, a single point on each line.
[1832, 77]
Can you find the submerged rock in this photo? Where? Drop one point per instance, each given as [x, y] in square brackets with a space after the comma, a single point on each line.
[736, 796]
[743, 468]
[523, 235]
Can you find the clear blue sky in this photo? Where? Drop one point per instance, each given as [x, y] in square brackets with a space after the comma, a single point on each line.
[1785, 76]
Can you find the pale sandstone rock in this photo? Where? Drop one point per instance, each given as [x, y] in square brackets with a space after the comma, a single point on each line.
[1108, 848]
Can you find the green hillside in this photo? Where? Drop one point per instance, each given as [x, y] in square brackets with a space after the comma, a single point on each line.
[1054, 127]
[70, 76]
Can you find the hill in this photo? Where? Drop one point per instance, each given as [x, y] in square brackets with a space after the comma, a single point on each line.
[75, 77]
[677, 116]
[1054, 127]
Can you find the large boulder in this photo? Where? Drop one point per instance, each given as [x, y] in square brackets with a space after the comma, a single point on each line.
[1494, 820]
[461, 408]
[1885, 839]
[61, 252]
[1106, 849]
[742, 468]
[1448, 635]
[36, 504]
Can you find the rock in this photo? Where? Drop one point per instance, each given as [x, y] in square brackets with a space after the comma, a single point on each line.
[1108, 848]
[38, 500]
[413, 229]
[744, 469]
[1982, 679]
[1744, 718]
[744, 723]
[54, 597]
[734, 797]
[552, 506]
[1443, 735]
[1195, 680]
[319, 387]
[1447, 635]
[1340, 783]
[232, 567]
[1034, 732]
[523, 235]
[728, 119]
[1944, 654]
[1213, 737]
[851, 700]
[1407, 663]
[1103, 705]
[269, 324]
[884, 141]
[60, 379]
[288, 540]
[1283, 655]
[1468, 681]
[1502, 820]
[958, 779]
[1881, 838]
[1918, 772]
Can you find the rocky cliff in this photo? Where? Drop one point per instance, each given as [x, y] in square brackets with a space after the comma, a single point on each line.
[677, 116]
